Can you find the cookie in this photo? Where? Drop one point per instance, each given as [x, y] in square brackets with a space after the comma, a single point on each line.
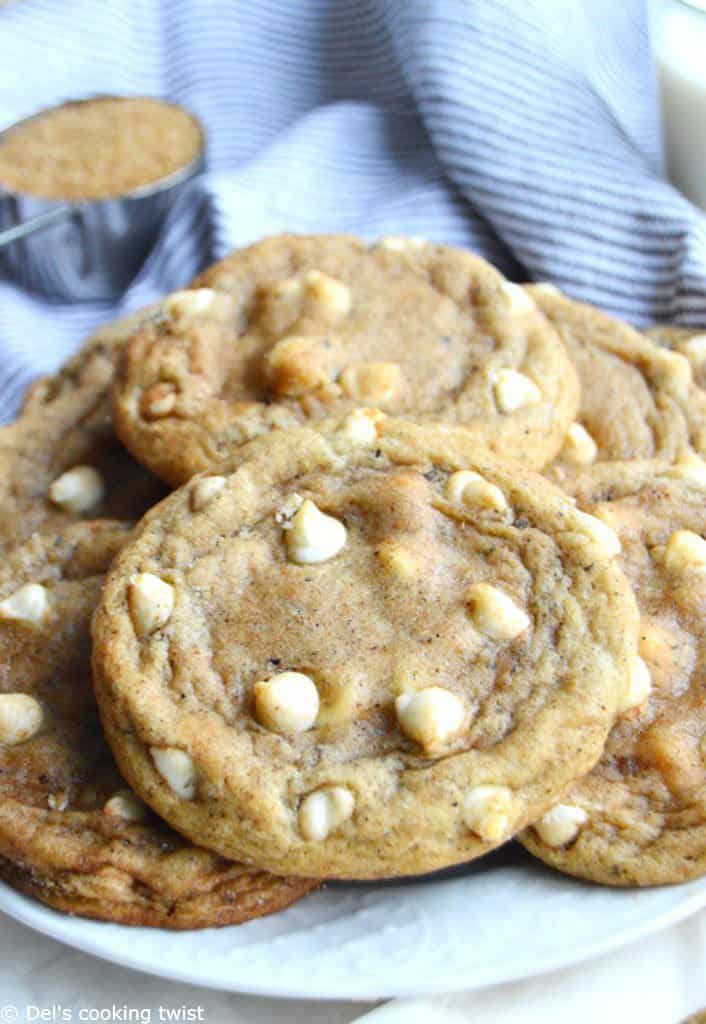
[196, 892]
[690, 342]
[639, 818]
[297, 328]
[71, 832]
[640, 407]
[60, 461]
[362, 651]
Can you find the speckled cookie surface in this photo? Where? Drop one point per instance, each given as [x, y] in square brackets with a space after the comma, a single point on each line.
[297, 329]
[639, 818]
[640, 406]
[689, 341]
[64, 433]
[368, 650]
[71, 833]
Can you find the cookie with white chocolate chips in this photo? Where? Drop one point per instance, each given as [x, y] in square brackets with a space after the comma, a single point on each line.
[640, 406]
[639, 818]
[60, 461]
[361, 651]
[71, 832]
[295, 329]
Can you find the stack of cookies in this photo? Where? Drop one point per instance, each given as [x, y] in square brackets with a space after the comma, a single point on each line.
[432, 575]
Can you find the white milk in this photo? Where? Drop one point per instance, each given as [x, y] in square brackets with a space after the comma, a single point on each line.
[680, 38]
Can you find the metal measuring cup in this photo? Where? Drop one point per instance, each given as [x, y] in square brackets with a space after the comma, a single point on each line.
[88, 250]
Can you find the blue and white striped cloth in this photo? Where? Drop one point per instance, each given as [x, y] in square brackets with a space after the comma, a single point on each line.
[526, 130]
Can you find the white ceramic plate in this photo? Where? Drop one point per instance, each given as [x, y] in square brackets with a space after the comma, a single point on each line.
[505, 919]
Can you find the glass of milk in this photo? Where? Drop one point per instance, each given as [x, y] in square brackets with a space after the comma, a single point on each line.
[680, 42]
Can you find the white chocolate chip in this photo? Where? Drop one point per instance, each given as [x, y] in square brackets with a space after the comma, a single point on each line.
[78, 489]
[401, 243]
[158, 401]
[660, 645]
[314, 537]
[205, 490]
[194, 302]
[690, 467]
[21, 717]
[430, 717]
[151, 602]
[521, 302]
[695, 349]
[177, 769]
[285, 514]
[603, 535]
[545, 288]
[685, 551]
[322, 811]
[286, 703]
[494, 613]
[29, 605]
[58, 801]
[376, 383]
[360, 426]
[561, 824]
[639, 685]
[514, 391]
[298, 364]
[472, 490]
[579, 447]
[489, 811]
[288, 288]
[674, 372]
[126, 805]
[331, 296]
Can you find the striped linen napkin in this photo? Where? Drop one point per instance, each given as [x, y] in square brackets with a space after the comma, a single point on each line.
[526, 130]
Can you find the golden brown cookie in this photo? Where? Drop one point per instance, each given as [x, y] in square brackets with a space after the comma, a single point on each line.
[640, 408]
[60, 461]
[687, 340]
[299, 328]
[362, 651]
[71, 832]
[196, 891]
[639, 818]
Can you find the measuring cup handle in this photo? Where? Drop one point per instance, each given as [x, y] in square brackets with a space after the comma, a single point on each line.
[38, 223]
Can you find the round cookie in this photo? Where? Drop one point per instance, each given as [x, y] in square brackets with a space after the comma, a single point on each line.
[71, 832]
[299, 328]
[687, 340]
[640, 408]
[639, 818]
[60, 461]
[362, 651]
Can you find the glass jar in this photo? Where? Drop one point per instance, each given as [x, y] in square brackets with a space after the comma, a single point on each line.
[680, 44]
